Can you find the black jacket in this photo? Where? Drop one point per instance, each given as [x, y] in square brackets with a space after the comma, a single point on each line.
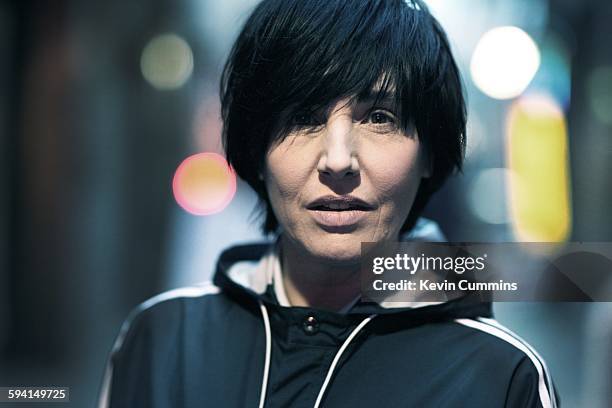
[230, 344]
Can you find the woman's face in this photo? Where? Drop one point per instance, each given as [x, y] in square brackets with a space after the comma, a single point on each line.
[348, 175]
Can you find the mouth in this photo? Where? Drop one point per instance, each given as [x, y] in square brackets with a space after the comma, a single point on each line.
[339, 213]
[339, 203]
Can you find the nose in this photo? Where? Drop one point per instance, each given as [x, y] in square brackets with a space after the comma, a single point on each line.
[338, 159]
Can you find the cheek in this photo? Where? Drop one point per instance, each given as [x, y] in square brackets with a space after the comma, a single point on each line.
[285, 181]
[396, 172]
[286, 174]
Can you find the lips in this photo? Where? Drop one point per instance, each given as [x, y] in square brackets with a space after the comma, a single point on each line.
[339, 213]
[340, 203]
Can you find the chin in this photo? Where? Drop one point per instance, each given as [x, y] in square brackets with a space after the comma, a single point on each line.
[336, 248]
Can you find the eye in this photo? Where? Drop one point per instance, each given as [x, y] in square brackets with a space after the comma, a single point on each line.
[382, 119]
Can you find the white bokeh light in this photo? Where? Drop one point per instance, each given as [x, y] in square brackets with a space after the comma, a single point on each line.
[167, 62]
[487, 197]
[504, 62]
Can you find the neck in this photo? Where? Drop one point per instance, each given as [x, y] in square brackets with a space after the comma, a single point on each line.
[313, 283]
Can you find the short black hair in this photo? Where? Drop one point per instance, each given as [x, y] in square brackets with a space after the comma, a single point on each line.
[301, 55]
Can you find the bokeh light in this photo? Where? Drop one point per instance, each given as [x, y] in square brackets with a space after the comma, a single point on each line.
[167, 62]
[487, 198]
[600, 93]
[504, 62]
[554, 76]
[204, 184]
[537, 149]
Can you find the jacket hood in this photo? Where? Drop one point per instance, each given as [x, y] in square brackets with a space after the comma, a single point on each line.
[245, 272]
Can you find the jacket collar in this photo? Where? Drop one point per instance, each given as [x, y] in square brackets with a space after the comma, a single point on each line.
[250, 271]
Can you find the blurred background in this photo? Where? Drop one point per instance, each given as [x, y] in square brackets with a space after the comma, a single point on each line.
[113, 187]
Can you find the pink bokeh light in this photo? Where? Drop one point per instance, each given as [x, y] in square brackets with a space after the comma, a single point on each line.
[204, 184]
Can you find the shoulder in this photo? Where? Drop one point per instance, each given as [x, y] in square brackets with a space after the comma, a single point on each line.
[149, 333]
[506, 351]
[161, 311]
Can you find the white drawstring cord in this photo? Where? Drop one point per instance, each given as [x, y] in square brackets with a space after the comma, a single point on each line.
[337, 358]
[264, 383]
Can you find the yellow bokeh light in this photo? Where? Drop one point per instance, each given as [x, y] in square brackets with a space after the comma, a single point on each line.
[538, 159]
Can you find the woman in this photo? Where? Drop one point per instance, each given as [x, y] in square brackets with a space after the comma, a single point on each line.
[344, 117]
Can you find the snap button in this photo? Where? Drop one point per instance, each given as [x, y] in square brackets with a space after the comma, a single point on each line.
[310, 325]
